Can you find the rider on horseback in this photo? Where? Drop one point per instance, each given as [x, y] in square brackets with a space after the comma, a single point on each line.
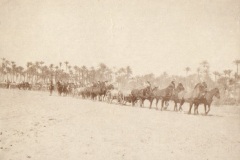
[171, 88]
[172, 84]
[147, 87]
[58, 83]
[204, 87]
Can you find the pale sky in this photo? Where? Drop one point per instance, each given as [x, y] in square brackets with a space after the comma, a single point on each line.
[151, 36]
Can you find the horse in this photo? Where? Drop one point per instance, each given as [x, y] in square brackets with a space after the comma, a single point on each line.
[164, 94]
[142, 95]
[175, 96]
[193, 97]
[109, 87]
[136, 94]
[62, 89]
[87, 92]
[98, 90]
[207, 100]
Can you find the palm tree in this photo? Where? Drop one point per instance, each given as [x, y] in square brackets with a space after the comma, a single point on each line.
[237, 62]
[8, 69]
[29, 64]
[32, 70]
[121, 71]
[92, 74]
[60, 65]
[83, 69]
[129, 71]
[187, 69]
[101, 71]
[198, 71]
[225, 72]
[3, 68]
[108, 74]
[70, 71]
[46, 72]
[87, 75]
[41, 68]
[56, 73]
[229, 72]
[77, 74]
[13, 70]
[41, 63]
[3, 60]
[205, 64]
[66, 63]
[121, 76]
[37, 68]
[19, 71]
[51, 71]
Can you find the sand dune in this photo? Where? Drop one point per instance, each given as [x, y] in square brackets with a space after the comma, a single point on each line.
[34, 125]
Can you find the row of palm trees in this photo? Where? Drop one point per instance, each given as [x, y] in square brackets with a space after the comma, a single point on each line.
[204, 69]
[39, 72]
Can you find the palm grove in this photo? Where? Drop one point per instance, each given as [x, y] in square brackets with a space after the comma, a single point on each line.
[39, 72]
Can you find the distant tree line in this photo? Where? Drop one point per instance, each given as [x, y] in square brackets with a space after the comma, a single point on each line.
[39, 72]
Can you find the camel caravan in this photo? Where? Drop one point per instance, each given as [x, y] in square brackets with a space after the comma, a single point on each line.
[102, 91]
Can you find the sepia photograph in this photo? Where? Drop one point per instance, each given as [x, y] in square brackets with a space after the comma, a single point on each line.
[119, 79]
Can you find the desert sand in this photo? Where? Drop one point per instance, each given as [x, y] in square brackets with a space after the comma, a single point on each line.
[34, 125]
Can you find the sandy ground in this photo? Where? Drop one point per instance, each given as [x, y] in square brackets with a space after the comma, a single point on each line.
[34, 125]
